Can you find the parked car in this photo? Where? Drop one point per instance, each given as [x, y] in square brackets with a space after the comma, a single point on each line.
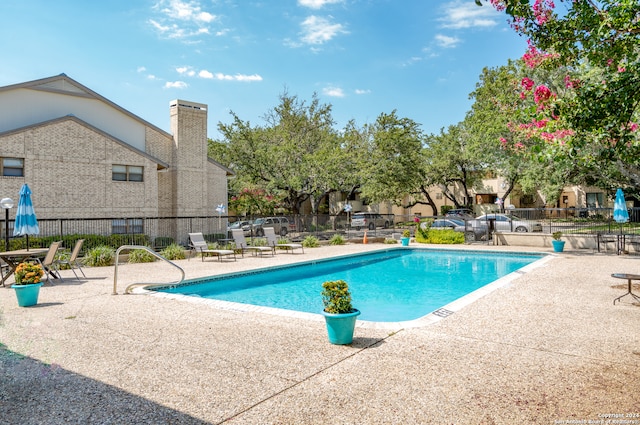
[477, 229]
[460, 213]
[281, 225]
[510, 223]
[240, 224]
[370, 221]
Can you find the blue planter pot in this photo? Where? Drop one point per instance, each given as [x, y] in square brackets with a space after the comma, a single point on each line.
[405, 241]
[558, 246]
[340, 327]
[27, 294]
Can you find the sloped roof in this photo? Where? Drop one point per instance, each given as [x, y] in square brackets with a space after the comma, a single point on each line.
[160, 163]
[63, 84]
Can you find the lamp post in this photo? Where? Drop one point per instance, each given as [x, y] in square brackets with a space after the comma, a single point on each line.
[7, 204]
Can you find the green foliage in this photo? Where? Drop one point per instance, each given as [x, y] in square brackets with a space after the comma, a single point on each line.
[406, 233]
[259, 242]
[163, 241]
[390, 241]
[337, 239]
[447, 236]
[173, 252]
[556, 235]
[141, 256]
[310, 242]
[336, 297]
[446, 208]
[99, 256]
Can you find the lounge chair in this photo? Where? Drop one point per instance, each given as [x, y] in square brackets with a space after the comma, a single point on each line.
[49, 264]
[73, 262]
[198, 244]
[241, 243]
[272, 240]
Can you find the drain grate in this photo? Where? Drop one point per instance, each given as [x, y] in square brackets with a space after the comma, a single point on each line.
[442, 312]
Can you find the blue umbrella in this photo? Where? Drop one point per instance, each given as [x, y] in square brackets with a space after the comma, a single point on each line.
[620, 213]
[26, 221]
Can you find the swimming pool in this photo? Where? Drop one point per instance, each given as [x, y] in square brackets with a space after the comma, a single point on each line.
[392, 285]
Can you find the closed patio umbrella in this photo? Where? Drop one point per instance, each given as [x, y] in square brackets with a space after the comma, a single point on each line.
[26, 221]
[620, 213]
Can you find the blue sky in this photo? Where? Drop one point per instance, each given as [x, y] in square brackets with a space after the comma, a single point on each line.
[364, 57]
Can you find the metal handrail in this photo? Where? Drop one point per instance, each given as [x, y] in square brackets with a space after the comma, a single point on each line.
[130, 287]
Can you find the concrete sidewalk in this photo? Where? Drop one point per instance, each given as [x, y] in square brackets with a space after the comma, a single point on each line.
[548, 347]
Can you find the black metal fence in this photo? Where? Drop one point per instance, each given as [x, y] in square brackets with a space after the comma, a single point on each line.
[159, 232]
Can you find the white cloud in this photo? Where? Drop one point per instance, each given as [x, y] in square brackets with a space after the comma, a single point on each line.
[186, 70]
[446, 41]
[254, 77]
[208, 75]
[205, 74]
[175, 85]
[333, 91]
[318, 30]
[362, 91]
[466, 14]
[317, 4]
[181, 19]
[142, 69]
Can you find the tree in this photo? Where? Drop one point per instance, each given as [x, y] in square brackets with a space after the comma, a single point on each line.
[394, 159]
[597, 43]
[453, 164]
[296, 155]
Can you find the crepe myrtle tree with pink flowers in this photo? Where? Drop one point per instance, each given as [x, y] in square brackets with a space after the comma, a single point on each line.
[594, 120]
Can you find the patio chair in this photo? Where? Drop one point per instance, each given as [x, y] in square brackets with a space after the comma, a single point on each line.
[272, 240]
[198, 244]
[241, 243]
[73, 262]
[49, 264]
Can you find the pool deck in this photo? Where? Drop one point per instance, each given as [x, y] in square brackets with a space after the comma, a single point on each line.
[546, 346]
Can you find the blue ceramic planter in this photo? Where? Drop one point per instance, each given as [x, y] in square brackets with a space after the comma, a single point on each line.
[405, 241]
[27, 294]
[340, 327]
[558, 246]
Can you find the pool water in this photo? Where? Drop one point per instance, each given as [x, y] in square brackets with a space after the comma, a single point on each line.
[386, 286]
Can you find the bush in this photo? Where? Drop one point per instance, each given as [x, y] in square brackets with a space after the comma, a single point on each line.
[336, 240]
[141, 256]
[99, 256]
[406, 233]
[173, 252]
[336, 297]
[447, 236]
[390, 241]
[310, 242]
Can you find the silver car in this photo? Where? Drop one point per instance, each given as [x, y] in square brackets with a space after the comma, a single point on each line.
[510, 223]
[472, 229]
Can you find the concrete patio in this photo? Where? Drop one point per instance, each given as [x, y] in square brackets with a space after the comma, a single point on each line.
[547, 347]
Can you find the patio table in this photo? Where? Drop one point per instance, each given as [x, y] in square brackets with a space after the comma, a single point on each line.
[629, 278]
[13, 258]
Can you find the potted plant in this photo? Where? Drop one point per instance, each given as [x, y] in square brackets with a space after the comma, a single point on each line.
[558, 245]
[27, 285]
[406, 237]
[339, 314]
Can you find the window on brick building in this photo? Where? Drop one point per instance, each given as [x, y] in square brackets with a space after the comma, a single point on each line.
[13, 167]
[127, 226]
[124, 173]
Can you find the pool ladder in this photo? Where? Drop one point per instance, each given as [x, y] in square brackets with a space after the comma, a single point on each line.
[151, 284]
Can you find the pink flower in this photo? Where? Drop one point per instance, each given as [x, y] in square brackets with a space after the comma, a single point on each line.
[621, 69]
[503, 141]
[542, 94]
[633, 126]
[527, 83]
[416, 219]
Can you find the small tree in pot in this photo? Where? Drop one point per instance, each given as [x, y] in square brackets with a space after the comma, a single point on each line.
[340, 316]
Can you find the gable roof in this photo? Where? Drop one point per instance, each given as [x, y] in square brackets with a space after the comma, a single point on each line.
[161, 164]
[63, 84]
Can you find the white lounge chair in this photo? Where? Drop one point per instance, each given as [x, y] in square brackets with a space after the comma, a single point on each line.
[241, 243]
[272, 240]
[198, 244]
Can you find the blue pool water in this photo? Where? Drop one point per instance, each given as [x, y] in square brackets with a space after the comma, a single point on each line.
[386, 286]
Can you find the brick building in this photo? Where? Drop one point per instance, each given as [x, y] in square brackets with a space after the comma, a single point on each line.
[85, 157]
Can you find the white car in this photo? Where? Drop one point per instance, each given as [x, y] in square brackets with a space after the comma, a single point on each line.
[510, 223]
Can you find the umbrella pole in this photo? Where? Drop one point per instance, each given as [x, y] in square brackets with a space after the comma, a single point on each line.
[27, 242]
